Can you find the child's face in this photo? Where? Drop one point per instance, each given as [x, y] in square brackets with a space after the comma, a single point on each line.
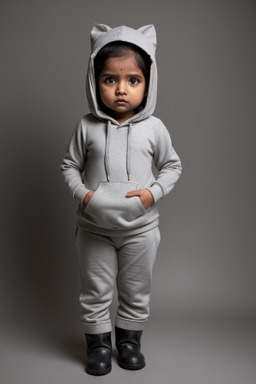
[122, 86]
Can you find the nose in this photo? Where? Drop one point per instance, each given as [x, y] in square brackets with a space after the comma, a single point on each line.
[120, 89]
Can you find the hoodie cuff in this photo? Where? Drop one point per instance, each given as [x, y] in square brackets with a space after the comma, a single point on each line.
[156, 191]
[80, 193]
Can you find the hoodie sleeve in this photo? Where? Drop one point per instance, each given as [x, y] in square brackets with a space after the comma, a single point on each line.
[72, 165]
[167, 163]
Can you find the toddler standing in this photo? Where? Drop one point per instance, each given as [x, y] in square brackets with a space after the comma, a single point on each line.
[108, 168]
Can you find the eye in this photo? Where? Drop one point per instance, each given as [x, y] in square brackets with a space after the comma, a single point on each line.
[133, 81]
[109, 80]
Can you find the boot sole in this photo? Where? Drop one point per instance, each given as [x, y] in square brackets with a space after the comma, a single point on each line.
[131, 367]
[98, 372]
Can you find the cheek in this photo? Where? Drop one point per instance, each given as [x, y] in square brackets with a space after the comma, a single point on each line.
[105, 92]
[105, 98]
[141, 95]
[102, 92]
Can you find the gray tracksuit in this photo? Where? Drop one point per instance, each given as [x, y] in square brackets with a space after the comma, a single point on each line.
[116, 235]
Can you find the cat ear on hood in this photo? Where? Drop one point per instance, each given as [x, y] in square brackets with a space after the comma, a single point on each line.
[149, 32]
[97, 31]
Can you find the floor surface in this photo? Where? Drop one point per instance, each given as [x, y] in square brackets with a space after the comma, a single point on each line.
[177, 352]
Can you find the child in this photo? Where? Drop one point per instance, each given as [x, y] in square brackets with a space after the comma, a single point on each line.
[108, 168]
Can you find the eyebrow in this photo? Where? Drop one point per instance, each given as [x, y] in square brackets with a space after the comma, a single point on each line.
[109, 74]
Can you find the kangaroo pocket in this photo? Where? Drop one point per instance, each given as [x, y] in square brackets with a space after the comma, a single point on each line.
[110, 208]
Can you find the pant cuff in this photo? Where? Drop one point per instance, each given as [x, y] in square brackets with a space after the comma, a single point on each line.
[94, 329]
[131, 325]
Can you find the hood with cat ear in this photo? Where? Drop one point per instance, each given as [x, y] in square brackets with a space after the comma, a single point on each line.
[145, 38]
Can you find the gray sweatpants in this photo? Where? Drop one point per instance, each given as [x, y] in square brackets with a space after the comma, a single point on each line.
[129, 262]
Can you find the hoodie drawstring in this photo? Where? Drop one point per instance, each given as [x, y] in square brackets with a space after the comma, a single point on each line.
[128, 151]
[107, 150]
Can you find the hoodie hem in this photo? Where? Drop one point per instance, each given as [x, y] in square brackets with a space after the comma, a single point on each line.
[116, 232]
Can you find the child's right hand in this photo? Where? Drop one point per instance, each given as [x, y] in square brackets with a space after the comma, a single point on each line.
[87, 198]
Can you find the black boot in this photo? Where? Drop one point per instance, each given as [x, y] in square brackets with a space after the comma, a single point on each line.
[99, 352]
[128, 346]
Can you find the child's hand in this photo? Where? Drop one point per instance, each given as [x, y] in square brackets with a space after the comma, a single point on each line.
[87, 198]
[145, 196]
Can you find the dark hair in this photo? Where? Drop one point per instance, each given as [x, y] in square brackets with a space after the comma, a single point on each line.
[119, 49]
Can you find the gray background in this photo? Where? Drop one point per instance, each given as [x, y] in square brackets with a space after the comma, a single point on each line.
[202, 325]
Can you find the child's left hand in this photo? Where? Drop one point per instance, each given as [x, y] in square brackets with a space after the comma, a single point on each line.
[145, 196]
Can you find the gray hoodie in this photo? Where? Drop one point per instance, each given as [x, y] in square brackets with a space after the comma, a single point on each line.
[112, 159]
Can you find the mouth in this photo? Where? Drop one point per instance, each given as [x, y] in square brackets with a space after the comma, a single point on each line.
[121, 102]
